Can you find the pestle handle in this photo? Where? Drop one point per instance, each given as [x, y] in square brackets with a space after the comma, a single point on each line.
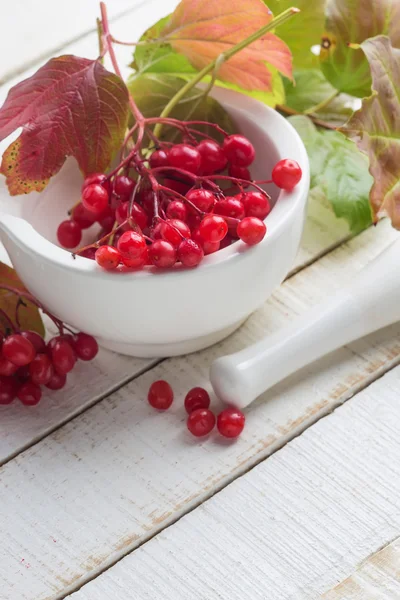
[371, 301]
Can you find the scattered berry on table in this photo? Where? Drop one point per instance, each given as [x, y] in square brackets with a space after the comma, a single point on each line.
[230, 422]
[160, 395]
[196, 398]
[200, 422]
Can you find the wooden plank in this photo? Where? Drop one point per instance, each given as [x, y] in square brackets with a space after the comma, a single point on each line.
[119, 473]
[34, 31]
[21, 427]
[293, 526]
[377, 578]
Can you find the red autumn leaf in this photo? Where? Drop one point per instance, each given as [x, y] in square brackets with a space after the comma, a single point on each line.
[70, 107]
[202, 30]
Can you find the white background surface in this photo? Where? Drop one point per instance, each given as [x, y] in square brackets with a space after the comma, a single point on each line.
[88, 476]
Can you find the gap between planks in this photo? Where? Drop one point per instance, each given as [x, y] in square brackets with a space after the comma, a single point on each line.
[148, 479]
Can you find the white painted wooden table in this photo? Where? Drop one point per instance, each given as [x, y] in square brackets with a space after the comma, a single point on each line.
[102, 498]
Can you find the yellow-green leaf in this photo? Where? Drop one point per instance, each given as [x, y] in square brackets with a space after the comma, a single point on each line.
[338, 171]
[153, 91]
[28, 312]
[303, 32]
[353, 22]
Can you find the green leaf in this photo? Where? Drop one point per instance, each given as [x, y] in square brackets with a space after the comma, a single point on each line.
[376, 127]
[303, 31]
[353, 22]
[338, 171]
[152, 92]
[29, 315]
[160, 57]
[311, 88]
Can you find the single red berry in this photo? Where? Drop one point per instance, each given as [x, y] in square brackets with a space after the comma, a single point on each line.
[174, 231]
[57, 381]
[162, 254]
[131, 245]
[230, 422]
[7, 368]
[177, 186]
[107, 219]
[196, 398]
[203, 199]
[8, 389]
[108, 257]
[213, 228]
[88, 253]
[138, 262]
[29, 393]
[85, 346]
[160, 395]
[67, 337]
[95, 199]
[190, 253]
[255, 204]
[69, 234]
[238, 150]
[286, 174]
[208, 247]
[63, 357]
[177, 210]
[213, 159]
[123, 187]
[138, 215]
[82, 217]
[159, 158]
[185, 157]
[240, 173]
[41, 369]
[201, 422]
[99, 179]
[35, 339]
[18, 350]
[251, 230]
[230, 207]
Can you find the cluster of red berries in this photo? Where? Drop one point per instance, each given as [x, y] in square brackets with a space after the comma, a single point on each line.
[174, 211]
[201, 420]
[27, 363]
